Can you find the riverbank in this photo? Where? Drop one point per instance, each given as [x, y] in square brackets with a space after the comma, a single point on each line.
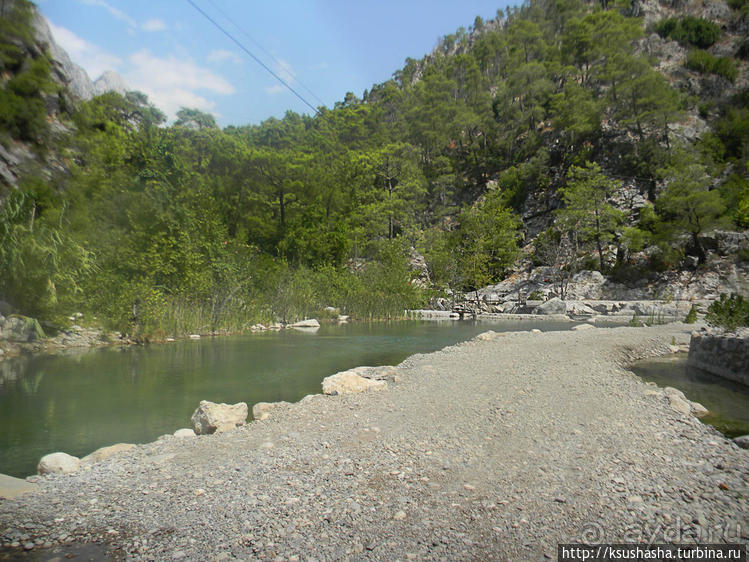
[498, 447]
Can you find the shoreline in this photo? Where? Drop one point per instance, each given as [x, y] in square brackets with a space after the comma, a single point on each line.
[446, 452]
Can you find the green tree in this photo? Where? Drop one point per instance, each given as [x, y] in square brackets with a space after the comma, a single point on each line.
[587, 208]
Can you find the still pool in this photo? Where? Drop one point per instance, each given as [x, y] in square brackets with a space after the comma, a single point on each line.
[727, 401]
[78, 402]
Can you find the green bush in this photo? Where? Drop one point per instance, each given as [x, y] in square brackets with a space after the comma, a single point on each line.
[691, 316]
[704, 62]
[689, 30]
[729, 312]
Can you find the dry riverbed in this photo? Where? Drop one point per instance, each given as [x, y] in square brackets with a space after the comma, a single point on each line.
[498, 448]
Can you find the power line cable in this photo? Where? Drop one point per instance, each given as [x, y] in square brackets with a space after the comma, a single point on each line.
[259, 46]
[246, 50]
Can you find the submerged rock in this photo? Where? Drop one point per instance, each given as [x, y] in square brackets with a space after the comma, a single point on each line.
[58, 463]
[209, 416]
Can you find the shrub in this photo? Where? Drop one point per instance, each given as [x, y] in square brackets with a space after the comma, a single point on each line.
[729, 312]
[689, 30]
[691, 316]
[704, 62]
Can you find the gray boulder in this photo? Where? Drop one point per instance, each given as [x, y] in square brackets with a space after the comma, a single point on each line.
[209, 417]
[552, 306]
[22, 329]
[742, 441]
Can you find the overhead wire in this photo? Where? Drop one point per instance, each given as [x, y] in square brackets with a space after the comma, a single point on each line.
[259, 46]
[256, 59]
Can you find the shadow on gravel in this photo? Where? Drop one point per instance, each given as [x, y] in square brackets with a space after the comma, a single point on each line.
[81, 552]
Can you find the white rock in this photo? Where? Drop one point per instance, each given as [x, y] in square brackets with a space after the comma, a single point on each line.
[486, 336]
[263, 410]
[106, 452]
[678, 404]
[310, 323]
[552, 306]
[58, 463]
[349, 383]
[671, 391]
[184, 432]
[583, 327]
[194, 336]
[209, 416]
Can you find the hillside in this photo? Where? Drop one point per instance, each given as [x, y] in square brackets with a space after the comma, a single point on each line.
[568, 136]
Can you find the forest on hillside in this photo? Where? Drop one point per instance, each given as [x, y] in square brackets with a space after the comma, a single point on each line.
[160, 229]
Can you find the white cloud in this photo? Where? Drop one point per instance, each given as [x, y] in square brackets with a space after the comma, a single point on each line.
[92, 58]
[116, 12]
[171, 83]
[273, 90]
[153, 25]
[221, 55]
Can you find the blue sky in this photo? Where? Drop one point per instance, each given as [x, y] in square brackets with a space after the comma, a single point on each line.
[166, 49]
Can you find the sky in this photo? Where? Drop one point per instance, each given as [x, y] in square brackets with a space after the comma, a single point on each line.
[321, 48]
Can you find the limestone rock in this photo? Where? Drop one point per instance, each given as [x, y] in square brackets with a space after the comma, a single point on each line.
[184, 432]
[552, 306]
[263, 410]
[110, 82]
[698, 410]
[209, 416]
[60, 463]
[679, 405]
[347, 382]
[22, 329]
[583, 327]
[742, 441]
[486, 336]
[106, 452]
[310, 323]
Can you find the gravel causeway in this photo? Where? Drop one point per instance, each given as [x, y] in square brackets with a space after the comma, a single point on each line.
[497, 448]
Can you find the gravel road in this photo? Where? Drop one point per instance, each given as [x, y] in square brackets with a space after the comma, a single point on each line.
[491, 449]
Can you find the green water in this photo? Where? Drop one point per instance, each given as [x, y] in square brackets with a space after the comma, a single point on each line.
[727, 401]
[81, 401]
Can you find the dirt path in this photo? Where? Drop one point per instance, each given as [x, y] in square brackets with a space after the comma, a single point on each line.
[495, 449]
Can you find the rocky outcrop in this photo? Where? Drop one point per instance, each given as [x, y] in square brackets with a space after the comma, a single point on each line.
[210, 417]
[110, 81]
[721, 353]
[552, 306]
[58, 463]
[349, 382]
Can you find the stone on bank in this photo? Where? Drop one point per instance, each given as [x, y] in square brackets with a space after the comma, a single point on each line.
[210, 417]
[58, 463]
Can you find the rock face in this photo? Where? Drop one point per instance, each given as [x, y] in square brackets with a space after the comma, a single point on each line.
[110, 82]
[60, 463]
[263, 410]
[106, 452]
[723, 354]
[209, 417]
[348, 382]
